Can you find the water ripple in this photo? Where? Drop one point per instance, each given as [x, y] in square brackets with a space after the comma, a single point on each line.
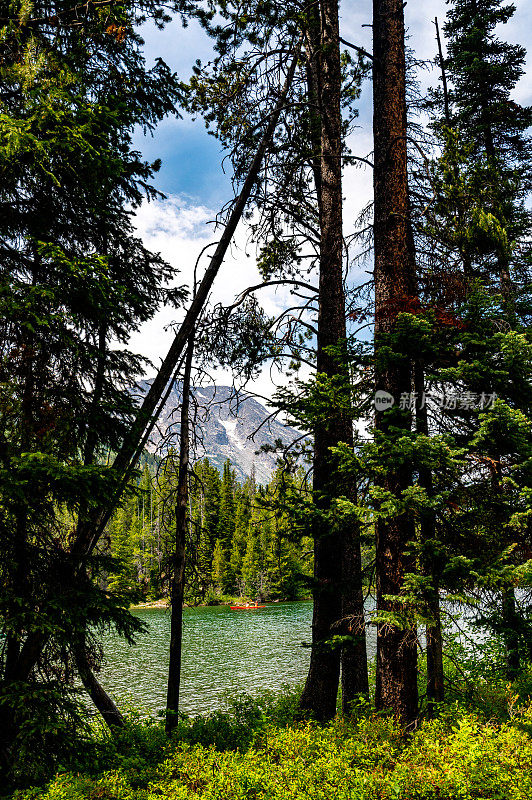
[224, 652]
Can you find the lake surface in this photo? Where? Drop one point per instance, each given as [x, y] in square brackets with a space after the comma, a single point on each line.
[224, 652]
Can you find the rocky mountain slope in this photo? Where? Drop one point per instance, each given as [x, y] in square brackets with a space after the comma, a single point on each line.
[225, 427]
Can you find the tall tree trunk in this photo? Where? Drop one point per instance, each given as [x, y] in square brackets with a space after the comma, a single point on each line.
[33, 359]
[321, 687]
[18, 585]
[435, 675]
[445, 89]
[355, 681]
[512, 625]
[511, 622]
[395, 284]
[177, 585]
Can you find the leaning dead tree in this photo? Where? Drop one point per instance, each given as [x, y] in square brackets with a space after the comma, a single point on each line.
[156, 395]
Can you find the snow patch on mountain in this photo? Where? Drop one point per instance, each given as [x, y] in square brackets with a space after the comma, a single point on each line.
[225, 427]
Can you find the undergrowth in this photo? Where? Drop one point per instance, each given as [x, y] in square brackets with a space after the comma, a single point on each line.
[479, 747]
[256, 751]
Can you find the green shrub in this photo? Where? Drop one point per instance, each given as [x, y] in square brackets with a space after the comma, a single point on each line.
[476, 678]
[457, 757]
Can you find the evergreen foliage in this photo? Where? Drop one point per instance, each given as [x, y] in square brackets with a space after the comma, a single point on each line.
[243, 540]
[75, 282]
[479, 228]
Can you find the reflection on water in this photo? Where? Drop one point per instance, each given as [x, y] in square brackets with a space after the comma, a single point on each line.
[224, 652]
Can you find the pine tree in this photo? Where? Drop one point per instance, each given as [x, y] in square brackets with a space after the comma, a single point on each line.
[72, 94]
[219, 567]
[226, 525]
[251, 566]
[482, 180]
[124, 577]
[487, 147]
[212, 493]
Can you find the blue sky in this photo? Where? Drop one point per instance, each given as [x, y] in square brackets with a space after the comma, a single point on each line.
[191, 158]
[190, 161]
[191, 174]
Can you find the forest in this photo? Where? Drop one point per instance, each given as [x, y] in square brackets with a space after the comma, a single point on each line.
[240, 544]
[379, 199]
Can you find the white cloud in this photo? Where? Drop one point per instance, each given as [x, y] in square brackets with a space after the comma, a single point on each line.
[177, 46]
[163, 223]
[178, 229]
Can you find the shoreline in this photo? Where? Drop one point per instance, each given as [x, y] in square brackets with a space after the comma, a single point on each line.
[164, 602]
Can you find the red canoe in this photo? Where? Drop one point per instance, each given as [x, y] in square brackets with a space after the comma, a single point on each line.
[247, 607]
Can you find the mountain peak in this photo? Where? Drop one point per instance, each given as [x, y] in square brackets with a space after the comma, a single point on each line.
[226, 425]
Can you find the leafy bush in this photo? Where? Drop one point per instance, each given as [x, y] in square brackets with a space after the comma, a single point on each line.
[476, 679]
[457, 757]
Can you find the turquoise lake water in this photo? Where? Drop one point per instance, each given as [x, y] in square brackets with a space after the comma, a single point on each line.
[224, 652]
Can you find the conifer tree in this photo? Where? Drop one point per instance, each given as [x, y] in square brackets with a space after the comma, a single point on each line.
[395, 288]
[482, 180]
[218, 567]
[226, 525]
[123, 576]
[72, 93]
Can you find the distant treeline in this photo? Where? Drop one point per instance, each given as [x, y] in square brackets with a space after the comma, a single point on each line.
[241, 542]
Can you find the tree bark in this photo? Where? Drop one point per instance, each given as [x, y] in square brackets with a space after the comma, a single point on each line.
[321, 687]
[511, 623]
[355, 682]
[445, 89]
[435, 675]
[434, 643]
[177, 586]
[110, 713]
[395, 285]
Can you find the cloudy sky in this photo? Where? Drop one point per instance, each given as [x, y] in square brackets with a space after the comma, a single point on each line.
[196, 187]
